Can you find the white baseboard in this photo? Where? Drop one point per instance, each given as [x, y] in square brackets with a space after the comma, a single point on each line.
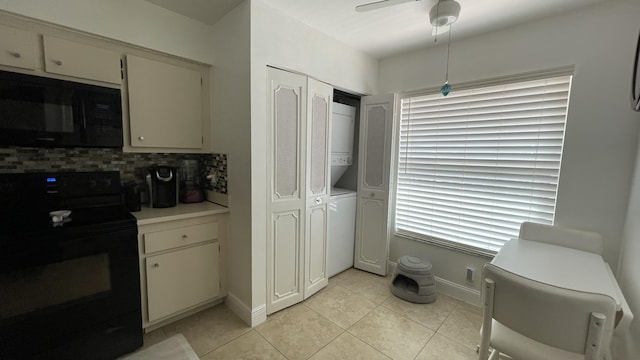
[259, 315]
[471, 296]
[251, 317]
[148, 327]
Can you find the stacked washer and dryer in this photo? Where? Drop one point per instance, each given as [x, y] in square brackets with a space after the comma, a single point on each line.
[342, 209]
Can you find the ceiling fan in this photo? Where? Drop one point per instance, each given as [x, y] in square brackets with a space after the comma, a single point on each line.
[380, 4]
[442, 14]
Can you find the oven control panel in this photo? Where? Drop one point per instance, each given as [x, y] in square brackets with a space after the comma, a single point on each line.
[42, 190]
[82, 184]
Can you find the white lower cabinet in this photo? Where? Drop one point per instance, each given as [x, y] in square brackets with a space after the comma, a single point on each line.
[180, 267]
[180, 279]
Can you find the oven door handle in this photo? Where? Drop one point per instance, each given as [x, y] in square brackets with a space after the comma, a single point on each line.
[113, 329]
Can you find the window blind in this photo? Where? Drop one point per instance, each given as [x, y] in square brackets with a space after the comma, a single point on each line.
[476, 164]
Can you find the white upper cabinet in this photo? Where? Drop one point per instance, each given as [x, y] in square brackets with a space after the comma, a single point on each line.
[165, 105]
[165, 99]
[22, 49]
[18, 48]
[66, 57]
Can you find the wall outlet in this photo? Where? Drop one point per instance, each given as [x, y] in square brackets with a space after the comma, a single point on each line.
[470, 274]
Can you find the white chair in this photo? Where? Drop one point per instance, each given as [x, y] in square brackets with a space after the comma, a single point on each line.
[528, 320]
[561, 236]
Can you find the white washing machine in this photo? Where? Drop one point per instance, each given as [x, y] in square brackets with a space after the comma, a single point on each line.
[342, 208]
[342, 230]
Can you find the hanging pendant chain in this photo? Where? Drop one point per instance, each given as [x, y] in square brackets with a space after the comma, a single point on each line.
[446, 78]
[437, 25]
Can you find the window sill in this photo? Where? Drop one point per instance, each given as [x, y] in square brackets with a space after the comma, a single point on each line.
[487, 254]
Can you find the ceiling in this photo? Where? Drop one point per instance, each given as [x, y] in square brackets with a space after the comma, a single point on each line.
[390, 30]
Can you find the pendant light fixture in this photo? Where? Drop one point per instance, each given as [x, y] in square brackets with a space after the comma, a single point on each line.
[442, 15]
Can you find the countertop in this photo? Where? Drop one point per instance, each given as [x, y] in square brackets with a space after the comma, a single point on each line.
[183, 211]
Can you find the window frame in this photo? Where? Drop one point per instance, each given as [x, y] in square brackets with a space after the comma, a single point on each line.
[496, 81]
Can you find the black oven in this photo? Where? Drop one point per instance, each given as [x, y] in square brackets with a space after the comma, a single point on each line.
[69, 286]
[40, 111]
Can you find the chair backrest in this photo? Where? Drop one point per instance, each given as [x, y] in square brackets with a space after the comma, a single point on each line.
[553, 316]
[557, 235]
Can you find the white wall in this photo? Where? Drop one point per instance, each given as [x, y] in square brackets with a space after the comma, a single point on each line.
[602, 131]
[283, 42]
[135, 22]
[629, 273]
[231, 84]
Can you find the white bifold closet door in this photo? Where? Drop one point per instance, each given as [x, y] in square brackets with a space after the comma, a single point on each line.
[374, 169]
[298, 184]
[318, 182]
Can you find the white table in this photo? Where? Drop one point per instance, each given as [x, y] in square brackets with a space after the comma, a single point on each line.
[565, 268]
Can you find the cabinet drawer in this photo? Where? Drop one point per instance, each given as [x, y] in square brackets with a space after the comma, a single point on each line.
[173, 238]
[181, 279]
[18, 47]
[66, 57]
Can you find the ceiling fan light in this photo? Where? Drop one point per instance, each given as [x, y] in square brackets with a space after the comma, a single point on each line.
[439, 30]
[446, 12]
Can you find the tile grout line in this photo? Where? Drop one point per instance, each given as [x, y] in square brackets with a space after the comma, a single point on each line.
[273, 346]
[450, 338]
[352, 325]
[357, 337]
[225, 343]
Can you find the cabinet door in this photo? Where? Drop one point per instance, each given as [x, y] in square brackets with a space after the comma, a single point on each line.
[18, 47]
[181, 279]
[319, 100]
[372, 216]
[66, 57]
[286, 106]
[165, 105]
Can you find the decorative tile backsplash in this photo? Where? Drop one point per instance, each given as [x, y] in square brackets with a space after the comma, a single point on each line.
[216, 166]
[131, 166]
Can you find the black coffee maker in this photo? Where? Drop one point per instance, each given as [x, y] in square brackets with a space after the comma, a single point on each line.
[162, 182]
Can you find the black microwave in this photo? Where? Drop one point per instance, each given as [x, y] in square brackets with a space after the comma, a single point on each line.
[45, 112]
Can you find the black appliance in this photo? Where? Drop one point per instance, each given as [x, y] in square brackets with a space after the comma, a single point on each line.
[69, 284]
[40, 111]
[162, 182]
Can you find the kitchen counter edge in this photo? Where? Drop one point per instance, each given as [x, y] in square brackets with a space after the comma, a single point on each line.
[182, 211]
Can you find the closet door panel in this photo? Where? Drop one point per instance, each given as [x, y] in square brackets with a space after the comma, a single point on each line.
[286, 205]
[320, 98]
[374, 169]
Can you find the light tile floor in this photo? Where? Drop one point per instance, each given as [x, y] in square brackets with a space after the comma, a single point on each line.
[355, 317]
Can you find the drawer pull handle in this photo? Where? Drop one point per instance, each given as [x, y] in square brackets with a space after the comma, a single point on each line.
[156, 265]
[57, 62]
[184, 236]
[318, 201]
[16, 55]
[141, 138]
